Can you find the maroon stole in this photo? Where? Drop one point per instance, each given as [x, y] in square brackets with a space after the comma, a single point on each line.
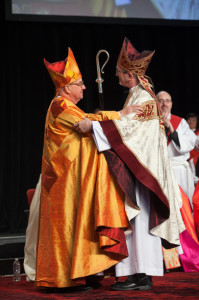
[175, 121]
[159, 204]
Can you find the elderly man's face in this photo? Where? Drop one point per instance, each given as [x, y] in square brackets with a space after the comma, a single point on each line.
[76, 90]
[165, 102]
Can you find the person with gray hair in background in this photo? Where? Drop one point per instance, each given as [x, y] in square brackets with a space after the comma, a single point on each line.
[180, 141]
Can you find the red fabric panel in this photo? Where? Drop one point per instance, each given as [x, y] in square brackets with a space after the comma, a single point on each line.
[175, 121]
[57, 66]
[116, 234]
[193, 153]
[57, 108]
[195, 200]
[186, 213]
[49, 178]
[30, 194]
[122, 174]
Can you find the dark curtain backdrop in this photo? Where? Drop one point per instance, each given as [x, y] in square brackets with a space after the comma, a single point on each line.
[26, 88]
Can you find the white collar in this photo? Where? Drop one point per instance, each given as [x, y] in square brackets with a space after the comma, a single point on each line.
[131, 89]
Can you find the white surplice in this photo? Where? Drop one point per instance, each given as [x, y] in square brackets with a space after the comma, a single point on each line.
[179, 156]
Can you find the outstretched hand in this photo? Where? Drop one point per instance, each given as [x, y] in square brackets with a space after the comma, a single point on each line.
[137, 109]
[83, 126]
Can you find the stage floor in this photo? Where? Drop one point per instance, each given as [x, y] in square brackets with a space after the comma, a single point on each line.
[173, 285]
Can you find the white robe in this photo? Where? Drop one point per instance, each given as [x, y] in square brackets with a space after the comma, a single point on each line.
[145, 249]
[31, 235]
[179, 156]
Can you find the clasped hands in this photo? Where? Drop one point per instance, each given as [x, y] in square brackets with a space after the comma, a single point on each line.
[85, 125]
[166, 120]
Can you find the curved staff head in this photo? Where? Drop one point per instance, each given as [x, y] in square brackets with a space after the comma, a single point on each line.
[99, 79]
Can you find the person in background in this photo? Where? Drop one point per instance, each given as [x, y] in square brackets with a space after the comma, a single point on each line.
[180, 141]
[192, 120]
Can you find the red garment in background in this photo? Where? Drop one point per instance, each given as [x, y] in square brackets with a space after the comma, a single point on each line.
[193, 153]
[188, 238]
[195, 200]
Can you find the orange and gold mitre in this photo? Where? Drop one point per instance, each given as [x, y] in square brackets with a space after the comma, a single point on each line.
[133, 61]
[63, 72]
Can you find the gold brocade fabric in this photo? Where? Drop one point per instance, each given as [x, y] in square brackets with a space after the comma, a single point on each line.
[171, 258]
[78, 194]
[142, 134]
[132, 61]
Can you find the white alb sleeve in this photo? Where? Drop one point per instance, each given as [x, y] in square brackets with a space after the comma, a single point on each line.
[99, 137]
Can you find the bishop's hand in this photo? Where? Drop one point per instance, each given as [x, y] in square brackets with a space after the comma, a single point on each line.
[137, 109]
[83, 126]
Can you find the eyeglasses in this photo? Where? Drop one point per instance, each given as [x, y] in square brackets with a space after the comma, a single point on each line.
[166, 100]
[81, 83]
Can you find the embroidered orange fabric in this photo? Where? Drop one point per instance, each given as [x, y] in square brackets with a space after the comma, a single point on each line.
[79, 197]
[63, 72]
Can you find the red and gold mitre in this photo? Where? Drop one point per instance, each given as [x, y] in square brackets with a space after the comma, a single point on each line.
[133, 61]
[63, 72]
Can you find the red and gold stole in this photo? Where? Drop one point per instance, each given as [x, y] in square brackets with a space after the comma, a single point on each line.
[175, 121]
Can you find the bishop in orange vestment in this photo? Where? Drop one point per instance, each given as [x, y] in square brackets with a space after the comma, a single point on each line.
[82, 216]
